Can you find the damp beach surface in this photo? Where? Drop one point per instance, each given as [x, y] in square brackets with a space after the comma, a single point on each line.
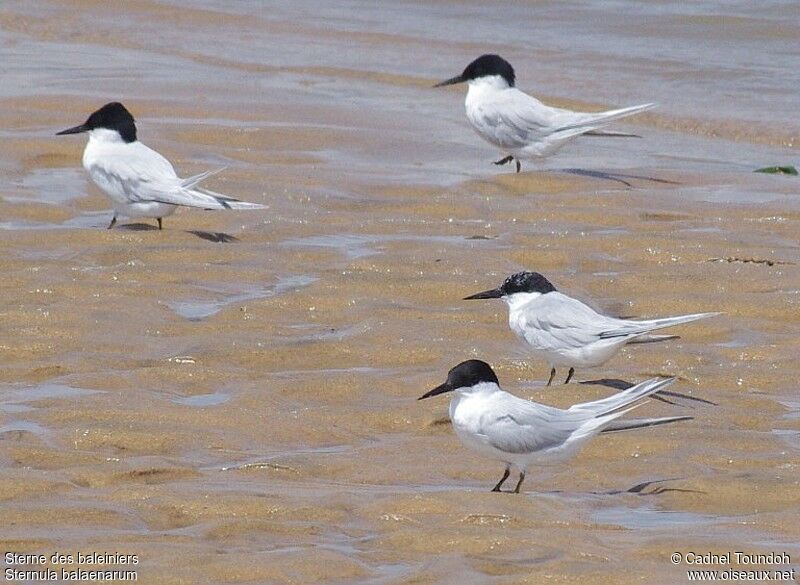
[233, 399]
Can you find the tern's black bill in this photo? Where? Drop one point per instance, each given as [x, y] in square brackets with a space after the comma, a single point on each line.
[495, 293]
[451, 81]
[74, 130]
[441, 389]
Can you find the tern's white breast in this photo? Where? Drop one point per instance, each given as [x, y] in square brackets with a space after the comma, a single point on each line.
[130, 173]
[471, 412]
[484, 112]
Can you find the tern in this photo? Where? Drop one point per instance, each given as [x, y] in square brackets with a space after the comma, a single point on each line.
[565, 331]
[521, 433]
[138, 180]
[519, 125]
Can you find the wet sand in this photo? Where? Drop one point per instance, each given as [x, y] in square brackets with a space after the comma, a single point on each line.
[245, 411]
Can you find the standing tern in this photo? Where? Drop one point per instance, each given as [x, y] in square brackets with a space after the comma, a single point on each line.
[138, 180]
[521, 126]
[521, 433]
[566, 332]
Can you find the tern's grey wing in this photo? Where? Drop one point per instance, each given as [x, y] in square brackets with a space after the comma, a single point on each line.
[527, 111]
[139, 172]
[530, 120]
[512, 119]
[557, 321]
[514, 425]
[142, 174]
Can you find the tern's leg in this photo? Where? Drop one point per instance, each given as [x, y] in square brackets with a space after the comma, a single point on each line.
[519, 483]
[552, 375]
[159, 223]
[113, 221]
[519, 165]
[505, 160]
[502, 479]
[569, 375]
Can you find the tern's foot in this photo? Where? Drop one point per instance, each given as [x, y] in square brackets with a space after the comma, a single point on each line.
[519, 165]
[505, 161]
[569, 375]
[519, 483]
[502, 479]
[113, 222]
[159, 223]
[552, 375]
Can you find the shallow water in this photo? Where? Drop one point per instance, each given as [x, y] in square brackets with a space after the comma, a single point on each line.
[234, 398]
[196, 310]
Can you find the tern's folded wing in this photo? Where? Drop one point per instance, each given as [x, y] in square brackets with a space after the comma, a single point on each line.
[137, 172]
[521, 426]
[511, 119]
[514, 119]
[629, 328]
[531, 120]
[144, 175]
[557, 322]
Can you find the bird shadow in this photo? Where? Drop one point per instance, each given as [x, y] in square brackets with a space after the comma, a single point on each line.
[216, 237]
[614, 383]
[137, 227]
[617, 177]
[651, 488]
[674, 394]
[618, 384]
[646, 488]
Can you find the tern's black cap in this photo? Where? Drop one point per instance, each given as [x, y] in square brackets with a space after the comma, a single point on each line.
[521, 282]
[487, 65]
[484, 66]
[465, 375]
[527, 282]
[113, 116]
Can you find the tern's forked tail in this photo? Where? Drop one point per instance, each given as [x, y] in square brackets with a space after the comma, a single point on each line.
[193, 181]
[192, 196]
[611, 115]
[211, 200]
[602, 118]
[592, 123]
[633, 328]
[623, 399]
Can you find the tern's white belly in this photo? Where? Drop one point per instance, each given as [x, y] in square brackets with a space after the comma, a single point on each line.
[587, 356]
[151, 209]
